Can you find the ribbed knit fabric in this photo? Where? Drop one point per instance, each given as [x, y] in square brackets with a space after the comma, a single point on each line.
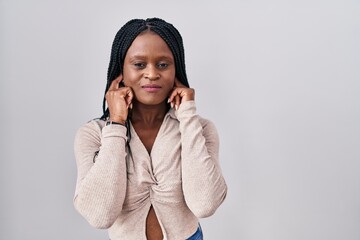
[181, 178]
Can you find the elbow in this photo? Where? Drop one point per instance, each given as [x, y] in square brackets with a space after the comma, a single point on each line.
[97, 218]
[203, 211]
[208, 206]
[100, 223]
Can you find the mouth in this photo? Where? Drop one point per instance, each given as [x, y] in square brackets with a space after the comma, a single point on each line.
[151, 87]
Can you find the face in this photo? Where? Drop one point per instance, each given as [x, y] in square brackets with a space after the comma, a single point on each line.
[149, 69]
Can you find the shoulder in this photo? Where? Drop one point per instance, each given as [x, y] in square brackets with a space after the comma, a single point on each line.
[90, 130]
[208, 126]
[93, 125]
[206, 122]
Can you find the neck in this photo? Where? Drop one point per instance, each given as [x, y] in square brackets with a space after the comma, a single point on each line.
[148, 114]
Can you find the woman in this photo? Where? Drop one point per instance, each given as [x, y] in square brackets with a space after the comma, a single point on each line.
[148, 168]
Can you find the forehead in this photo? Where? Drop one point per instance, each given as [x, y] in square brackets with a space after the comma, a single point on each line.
[149, 44]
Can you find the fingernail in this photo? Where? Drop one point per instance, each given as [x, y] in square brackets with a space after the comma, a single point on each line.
[176, 107]
[168, 100]
[172, 105]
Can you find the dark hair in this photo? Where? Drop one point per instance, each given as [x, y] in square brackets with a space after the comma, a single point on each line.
[127, 34]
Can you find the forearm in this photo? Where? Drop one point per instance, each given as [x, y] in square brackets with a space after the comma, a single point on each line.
[203, 184]
[101, 186]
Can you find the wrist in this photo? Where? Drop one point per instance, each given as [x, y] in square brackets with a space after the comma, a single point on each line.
[116, 120]
[109, 122]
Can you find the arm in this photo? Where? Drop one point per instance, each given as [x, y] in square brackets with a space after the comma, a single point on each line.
[101, 186]
[203, 184]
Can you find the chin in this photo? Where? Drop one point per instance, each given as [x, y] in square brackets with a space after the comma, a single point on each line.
[152, 102]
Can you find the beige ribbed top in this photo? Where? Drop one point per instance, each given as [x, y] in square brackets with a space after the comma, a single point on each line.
[181, 178]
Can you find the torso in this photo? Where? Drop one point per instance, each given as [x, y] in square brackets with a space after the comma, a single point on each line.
[148, 135]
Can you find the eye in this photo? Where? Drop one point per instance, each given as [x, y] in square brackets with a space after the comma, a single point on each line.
[163, 65]
[140, 65]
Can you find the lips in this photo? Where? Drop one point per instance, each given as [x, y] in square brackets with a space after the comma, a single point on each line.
[151, 87]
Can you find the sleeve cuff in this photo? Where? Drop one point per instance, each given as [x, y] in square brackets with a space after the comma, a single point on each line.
[114, 131]
[187, 108]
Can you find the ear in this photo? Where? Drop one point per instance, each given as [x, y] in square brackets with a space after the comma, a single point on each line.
[121, 82]
[177, 83]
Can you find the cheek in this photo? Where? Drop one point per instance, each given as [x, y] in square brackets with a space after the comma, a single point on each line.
[170, 84]
[170, 77]
[129, 76]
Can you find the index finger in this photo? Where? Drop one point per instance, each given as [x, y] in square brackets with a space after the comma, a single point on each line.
[115, 83]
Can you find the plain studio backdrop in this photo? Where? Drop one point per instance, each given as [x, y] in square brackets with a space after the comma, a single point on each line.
[280, 79]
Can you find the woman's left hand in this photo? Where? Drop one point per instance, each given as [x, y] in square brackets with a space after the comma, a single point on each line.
[180, 94]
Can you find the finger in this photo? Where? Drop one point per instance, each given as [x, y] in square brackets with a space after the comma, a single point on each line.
[129, 97]
[177, 101]
[115, 83]
[171, 102]
[172, 95]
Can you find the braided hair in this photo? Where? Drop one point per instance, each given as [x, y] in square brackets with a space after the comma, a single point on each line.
[127, 34]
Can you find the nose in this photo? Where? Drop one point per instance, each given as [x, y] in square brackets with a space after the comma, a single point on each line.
[152, 73]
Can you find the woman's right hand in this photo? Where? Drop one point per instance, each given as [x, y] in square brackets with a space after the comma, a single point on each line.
[119, 100]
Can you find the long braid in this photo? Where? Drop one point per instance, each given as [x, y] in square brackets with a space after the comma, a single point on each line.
[123, 39]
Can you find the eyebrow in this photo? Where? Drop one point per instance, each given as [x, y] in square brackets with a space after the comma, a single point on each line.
[161, 57]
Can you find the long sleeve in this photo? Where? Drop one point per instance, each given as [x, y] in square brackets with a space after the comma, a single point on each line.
[101, 181]
[203, 184]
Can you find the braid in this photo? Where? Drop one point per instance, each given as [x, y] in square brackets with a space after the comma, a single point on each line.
[123, 39]
[173, 39]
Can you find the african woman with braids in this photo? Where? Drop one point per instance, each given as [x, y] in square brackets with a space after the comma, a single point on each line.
[148, 168]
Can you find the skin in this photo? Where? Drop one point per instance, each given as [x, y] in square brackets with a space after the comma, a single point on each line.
[147, 85]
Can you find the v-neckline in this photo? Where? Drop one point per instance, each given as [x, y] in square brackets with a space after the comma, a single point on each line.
[134, 133]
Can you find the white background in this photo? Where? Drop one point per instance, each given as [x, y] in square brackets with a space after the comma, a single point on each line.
[280, 79]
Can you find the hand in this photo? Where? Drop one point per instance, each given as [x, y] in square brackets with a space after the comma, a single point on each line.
[180, 94]
[119, 100]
